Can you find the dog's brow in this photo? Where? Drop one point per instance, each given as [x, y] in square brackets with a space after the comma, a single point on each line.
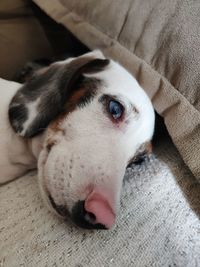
[105, 97]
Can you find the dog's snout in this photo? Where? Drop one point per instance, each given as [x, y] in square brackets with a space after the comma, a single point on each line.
[83, 218]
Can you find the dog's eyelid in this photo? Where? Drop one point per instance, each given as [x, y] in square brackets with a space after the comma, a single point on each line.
[128, 106]
[107, 97]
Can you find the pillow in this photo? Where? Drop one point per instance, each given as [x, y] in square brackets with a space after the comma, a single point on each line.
[21, 37]
[158, 42]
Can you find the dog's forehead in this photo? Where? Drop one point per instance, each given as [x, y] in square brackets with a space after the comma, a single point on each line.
[116, 80]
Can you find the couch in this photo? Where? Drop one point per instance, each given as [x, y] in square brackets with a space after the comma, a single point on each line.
[158, 223]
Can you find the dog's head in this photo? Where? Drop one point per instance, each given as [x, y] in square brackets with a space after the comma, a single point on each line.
[96, 119]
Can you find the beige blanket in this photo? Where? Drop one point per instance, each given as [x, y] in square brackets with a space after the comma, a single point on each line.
[158, 42]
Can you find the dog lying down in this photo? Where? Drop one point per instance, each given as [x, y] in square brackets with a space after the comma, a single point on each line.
[80, 121]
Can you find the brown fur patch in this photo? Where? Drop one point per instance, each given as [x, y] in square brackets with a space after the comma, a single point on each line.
[50, 143]
[55, 125]
[69, 107]
[148, 147]
[79, 98]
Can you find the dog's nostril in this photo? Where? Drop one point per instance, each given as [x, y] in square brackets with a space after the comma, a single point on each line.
[90, 217]
[83, 218]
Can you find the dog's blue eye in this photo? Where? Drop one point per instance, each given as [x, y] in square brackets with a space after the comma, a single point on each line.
[115, 109]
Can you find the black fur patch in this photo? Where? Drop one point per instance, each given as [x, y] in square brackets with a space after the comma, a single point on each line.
[18, 114]
[53, 87]
[28, 71]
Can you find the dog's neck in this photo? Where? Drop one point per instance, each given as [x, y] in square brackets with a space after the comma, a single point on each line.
[21, 155]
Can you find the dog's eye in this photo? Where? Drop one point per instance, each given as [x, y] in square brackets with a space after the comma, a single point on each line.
[115, 109]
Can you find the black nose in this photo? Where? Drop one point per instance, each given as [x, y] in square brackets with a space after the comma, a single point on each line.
[83, 218]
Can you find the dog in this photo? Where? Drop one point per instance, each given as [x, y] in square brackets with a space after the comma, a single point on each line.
[80, 121]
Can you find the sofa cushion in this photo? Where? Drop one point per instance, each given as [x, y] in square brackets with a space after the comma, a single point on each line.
[158, 42]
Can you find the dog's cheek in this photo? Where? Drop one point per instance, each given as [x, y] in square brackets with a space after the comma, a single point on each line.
[41, 179]
[42, 158]
[41, 166]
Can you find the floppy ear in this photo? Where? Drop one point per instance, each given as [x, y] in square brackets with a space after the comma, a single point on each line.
[44, 97]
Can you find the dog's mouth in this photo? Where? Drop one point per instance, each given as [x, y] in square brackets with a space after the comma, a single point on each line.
[60, 209]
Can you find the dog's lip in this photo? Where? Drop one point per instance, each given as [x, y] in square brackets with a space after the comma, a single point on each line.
[60, 209]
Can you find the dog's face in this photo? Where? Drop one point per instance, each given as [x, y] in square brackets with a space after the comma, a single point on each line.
[97, 119]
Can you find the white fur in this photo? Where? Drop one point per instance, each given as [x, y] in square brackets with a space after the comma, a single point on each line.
[93, 152]
[32, 112]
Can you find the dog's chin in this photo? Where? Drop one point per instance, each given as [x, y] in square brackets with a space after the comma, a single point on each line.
[49, 202]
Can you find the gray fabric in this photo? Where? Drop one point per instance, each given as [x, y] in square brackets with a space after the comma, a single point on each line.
[158, 224]
[158, 42]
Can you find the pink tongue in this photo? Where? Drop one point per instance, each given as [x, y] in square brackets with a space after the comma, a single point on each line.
[98, 206]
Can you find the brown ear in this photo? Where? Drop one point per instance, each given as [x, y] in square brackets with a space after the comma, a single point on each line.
[43, 98]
